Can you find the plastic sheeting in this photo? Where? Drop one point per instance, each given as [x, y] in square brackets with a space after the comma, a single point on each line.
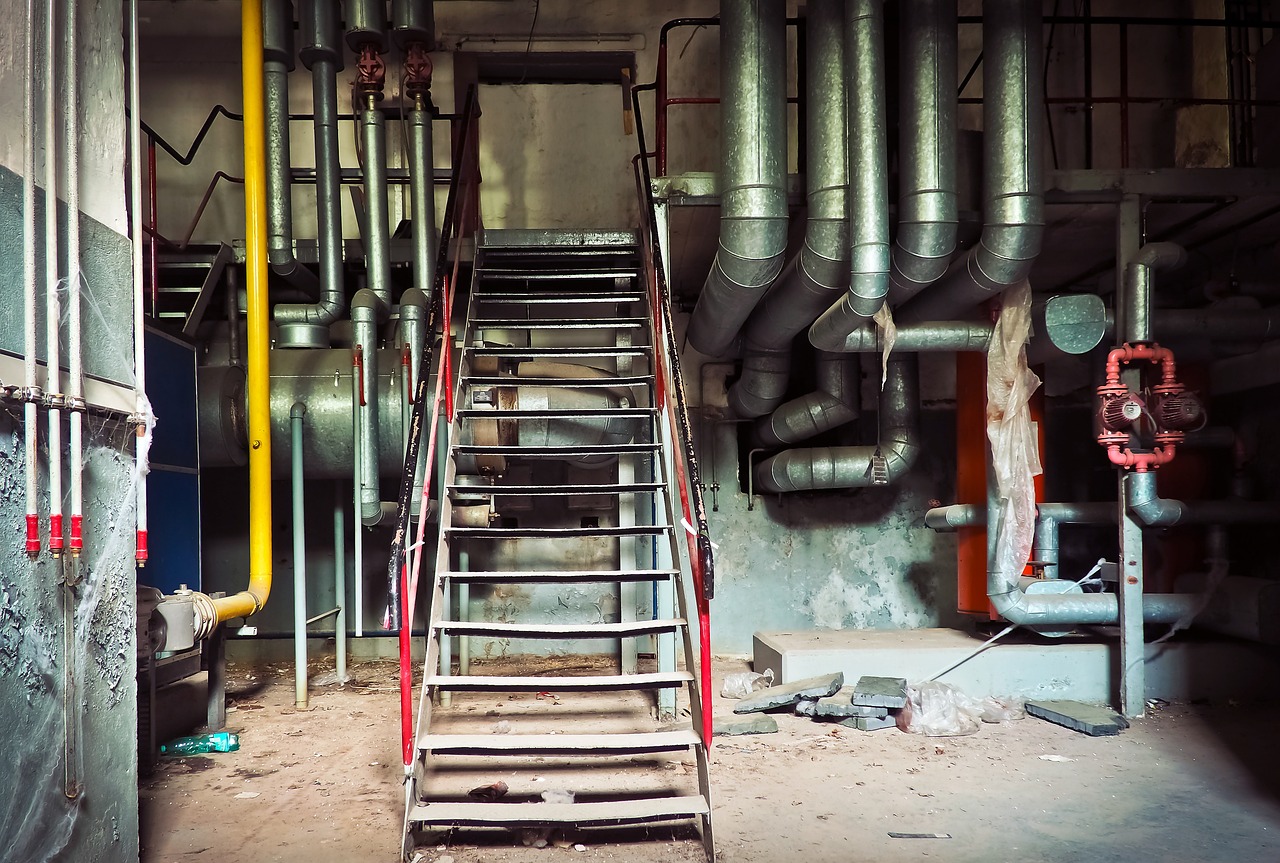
[1015, 454]
[888, 335]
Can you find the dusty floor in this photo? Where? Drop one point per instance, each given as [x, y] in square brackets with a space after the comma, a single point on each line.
[1190, 783]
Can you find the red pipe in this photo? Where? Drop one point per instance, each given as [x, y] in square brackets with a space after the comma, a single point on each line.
[153, 219]
[406, 672]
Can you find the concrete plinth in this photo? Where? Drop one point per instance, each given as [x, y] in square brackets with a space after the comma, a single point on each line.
[1080, 668]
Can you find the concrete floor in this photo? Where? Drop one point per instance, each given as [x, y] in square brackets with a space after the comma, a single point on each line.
[1190, 783]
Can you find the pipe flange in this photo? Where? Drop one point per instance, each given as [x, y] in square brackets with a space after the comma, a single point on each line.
[206, 616]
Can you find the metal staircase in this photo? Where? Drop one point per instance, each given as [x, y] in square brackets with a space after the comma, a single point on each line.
[185, 282]
[559, 413]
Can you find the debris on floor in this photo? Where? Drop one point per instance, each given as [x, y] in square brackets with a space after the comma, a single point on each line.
[760, 723]
[1088, 718]
[838, 706]
[919, 835]
[787, 694]
[743, 683]
[888, 692]
[870, 723]
[489, 792]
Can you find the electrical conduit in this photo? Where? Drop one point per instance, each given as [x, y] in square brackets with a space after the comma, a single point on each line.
[75, 346]
[30, 413]
[53, 308]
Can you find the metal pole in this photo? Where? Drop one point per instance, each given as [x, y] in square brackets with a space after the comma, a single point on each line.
[296, 416]
[358, 489]
[340, 578]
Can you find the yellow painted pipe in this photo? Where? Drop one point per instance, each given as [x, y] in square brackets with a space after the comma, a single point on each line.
[258, 392]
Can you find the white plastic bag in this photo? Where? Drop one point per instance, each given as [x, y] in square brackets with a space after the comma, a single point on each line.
[742, 684]
[942, 710]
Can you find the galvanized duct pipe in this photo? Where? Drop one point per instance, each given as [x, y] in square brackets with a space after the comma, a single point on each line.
[924, 337]
[367, 33]
[1049, 516]
[1150, 510]
[1013, 166]
[366, 309]
[277, 52]
[927, 206]
[753, 170]
[832, 404]
[422, 198]
[868, 178]
[308, 325]
[856, 466]
[821, 270]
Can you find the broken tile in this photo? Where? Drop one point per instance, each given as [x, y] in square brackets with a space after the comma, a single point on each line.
[888, 692]
[1089, 718]
[760, 724]
[841, 706]
[870, 723]
[806, 707]
[787, 694]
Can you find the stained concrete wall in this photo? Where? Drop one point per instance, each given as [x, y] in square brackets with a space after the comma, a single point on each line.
[67, 665]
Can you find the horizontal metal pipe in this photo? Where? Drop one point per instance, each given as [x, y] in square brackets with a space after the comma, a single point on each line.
[857, 466]
[1150, 510]
[924, 337]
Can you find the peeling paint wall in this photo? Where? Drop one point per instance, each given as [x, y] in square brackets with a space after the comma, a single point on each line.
[67, 660]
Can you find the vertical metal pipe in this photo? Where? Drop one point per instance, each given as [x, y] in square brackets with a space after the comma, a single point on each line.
[373, 135]
[296, 416]
[142, 405]
[153, 221]
[53, 305]
[358, 493]
[75, 346]
[257, 341]
[366, 309]
[29, 409]
[422, 198]
[340, 578]
[464, 614]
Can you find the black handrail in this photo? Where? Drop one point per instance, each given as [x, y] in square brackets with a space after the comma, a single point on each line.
[698, 506]
[421, 396]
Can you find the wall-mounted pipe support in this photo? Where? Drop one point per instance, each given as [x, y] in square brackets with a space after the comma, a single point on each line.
[817, 275]
[308, 325]
[928, 213]
[857, 466]
[1013, 167]
[753, 166]
[257, 341]
[868, 178]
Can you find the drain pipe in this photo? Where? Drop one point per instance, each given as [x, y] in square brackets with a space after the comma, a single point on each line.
[1013, 167]
[257, 339]
[927, 207]
[75, 340]
[366, 34]
[857, 466]
[813, 278]
[366, 309]
[832, 404]
[868, 178]
[753, 171]
[53, 306]
[277, 39]
[413, 30]
[32, 393]
[308, 325]
[297, 414]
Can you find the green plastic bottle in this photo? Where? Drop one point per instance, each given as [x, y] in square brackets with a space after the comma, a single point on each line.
[220, 741]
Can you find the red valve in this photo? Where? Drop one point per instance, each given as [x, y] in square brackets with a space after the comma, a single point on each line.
[140, 554]
[33, 535]
[77, 540]
[1175, 410]
[55, 535]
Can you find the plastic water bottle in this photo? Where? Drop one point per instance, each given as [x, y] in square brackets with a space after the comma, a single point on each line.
[220, 741]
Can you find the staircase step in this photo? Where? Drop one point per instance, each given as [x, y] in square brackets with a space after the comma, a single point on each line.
[563, 576]
[557, 451]
[553, 274]
[547, 298]
[592, 683]
[555, 490]
[626, 629]
[576, 383]
[558, 532]
[635, 743]
[552, 414]
[559, 324]
[635, 811]
[555, 352]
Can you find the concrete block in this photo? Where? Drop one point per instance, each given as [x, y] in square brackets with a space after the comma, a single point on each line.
[734, 727]
[1089, 718]
[788, 694]
[870, 723]
[881, 692]
[841, 706]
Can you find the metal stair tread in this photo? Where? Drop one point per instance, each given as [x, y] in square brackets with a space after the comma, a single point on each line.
[554, 575]
[546, 298]
[544, 490]
[554, 744]
[558, 323]
[559, 532]
[624, 629]
[588, 683]
[514, 381]
[552, 413]
[553, 274]
[551, 351]
[556, 451]
[636, 810]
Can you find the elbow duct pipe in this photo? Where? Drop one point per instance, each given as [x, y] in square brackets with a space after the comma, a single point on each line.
[868, 178]
[856, 466]
[1146, 506]
[753, 166]
[927, 199]
[307, 325]
[257, 341]
[1136, 306]
[277, 33]
[366, 310]
[1013, 167]
[831, 405]
[820, 271]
